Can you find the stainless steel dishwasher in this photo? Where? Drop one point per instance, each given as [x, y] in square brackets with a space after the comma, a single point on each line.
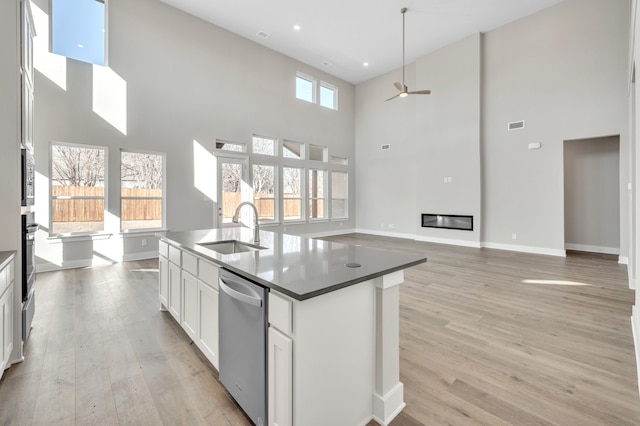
[243, 343]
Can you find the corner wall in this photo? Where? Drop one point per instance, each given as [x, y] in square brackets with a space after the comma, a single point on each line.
[562, 70]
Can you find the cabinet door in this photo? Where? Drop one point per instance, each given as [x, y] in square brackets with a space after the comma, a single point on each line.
[208, 336]
[280, 355]
[174, 291]
[190, 308]
[8, 324]
[163, 285]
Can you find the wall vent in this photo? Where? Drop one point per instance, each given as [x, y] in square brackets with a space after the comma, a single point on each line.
[515, 125]
[385, 147]
[262, 34]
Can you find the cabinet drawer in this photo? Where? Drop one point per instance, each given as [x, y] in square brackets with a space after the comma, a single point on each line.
[190, 263]
[163, 249]
[208, 273]
[280, 312]
[175, 255]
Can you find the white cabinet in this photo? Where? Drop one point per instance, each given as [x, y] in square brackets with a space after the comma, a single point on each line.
[175, 292]
[163, 284]
[208, 327]
[190, 308]
[188, 288]
[280, 396]
[6, 314]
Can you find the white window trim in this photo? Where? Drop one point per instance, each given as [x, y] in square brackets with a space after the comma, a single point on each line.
[314, 87]
[334, 89]
[107, 227]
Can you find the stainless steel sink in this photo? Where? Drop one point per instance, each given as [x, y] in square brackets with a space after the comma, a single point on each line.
[231, 246]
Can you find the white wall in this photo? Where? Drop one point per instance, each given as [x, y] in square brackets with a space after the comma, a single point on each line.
[562, 70]
[591, 197]
[186, 80]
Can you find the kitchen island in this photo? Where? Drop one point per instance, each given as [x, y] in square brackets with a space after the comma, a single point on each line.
[333, 318]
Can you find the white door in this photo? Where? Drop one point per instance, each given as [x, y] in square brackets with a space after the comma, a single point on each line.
[233, 188]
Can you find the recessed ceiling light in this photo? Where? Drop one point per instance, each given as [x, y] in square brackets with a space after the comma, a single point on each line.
[296, 27]
[365, 64]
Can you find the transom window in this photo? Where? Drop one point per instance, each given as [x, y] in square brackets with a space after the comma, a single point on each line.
[141, 188]
[328, 96]
[305, 88]
[79, 30]
[77, 188]
[292, 149]
[230, 146]
[264, 146]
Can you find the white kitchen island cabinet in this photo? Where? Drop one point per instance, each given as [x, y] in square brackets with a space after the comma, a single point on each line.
[333, 320]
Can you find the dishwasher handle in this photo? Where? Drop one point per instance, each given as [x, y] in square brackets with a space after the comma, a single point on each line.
[241, 294]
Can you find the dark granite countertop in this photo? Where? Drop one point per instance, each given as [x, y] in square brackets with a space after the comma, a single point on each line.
[297, 266]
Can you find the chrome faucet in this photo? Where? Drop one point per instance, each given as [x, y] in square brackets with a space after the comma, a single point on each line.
[256, 227]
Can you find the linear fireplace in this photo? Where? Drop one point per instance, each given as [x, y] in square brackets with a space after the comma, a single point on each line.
[447, 221]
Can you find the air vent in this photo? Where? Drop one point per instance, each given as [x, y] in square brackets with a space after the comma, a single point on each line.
[515, 125]
[385, 147]
[262, 34]
[327, 64]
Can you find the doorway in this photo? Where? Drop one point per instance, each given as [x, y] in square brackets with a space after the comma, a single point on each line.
[233, 188]
[592, 195]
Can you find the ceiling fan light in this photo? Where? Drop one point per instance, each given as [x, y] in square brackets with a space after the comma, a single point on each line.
[403, 94]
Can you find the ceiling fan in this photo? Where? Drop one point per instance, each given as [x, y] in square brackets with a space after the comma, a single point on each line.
[404, 91]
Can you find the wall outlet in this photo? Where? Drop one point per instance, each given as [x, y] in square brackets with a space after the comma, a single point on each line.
[514, 236]
[143, 242]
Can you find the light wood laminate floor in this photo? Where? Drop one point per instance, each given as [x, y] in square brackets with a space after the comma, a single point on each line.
[486, 337]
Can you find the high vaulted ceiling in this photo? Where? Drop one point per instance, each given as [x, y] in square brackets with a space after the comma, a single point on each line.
[339, 36]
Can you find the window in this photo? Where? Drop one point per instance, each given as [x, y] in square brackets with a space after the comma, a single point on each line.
[317, 153]
[339, 188]
[328, 96]
[292, 149]
[264, 146]
[77, 188]
[230, 146]
[305, 88]
[78, 30]
[141, 184]
[264, 191]
[292, 193]
[339, 160]
[317, 186]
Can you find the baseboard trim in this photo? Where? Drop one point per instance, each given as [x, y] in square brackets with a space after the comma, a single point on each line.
[449, 241]
[526, 249]
[143, 255]
[385, 233]
[592, 249]
[327, 233]
[623, 260]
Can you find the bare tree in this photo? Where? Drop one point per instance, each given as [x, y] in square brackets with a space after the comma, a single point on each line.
[141, 170]
[76, 166]
[231, 177]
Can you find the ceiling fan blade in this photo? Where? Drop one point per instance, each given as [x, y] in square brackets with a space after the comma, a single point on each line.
[420, 92]
[399, 86]
[393, 97]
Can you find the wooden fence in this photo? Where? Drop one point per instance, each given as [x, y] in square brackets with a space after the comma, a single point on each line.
[92, 209]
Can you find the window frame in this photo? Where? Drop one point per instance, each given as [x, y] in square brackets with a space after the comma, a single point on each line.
[163, 197]
[303, 209]
[105, 30]
[334, 91]
[310, 79]
[105, 197]
[310, 198]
